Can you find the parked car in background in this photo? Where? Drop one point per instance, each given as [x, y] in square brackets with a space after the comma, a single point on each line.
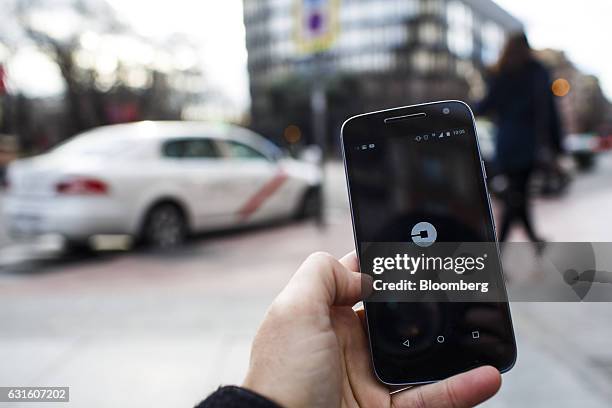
[584, 148]
[486, 139]
[9, 151]
[551, 179]
[158, 182]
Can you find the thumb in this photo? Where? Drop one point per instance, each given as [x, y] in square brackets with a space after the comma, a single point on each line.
[460, 391]
[323, 280]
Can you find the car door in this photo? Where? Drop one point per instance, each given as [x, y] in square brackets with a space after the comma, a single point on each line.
[197, 167]
[256, 182]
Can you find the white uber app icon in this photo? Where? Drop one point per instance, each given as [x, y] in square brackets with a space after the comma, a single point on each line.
[424, 234]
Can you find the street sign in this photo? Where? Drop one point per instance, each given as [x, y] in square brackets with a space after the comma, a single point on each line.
[316, 25]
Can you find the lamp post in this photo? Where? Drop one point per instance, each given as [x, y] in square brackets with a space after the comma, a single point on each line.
[316, 29]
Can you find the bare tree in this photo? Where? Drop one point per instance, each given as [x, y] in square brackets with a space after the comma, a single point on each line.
[84, 107]
[60, 29]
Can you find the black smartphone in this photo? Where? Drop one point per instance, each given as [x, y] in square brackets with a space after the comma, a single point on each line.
[414, 175]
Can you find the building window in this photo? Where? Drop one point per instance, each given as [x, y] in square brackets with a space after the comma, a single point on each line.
[430, 33]
[460, 37]
[423, 61]
[432, 7]
[492, 38]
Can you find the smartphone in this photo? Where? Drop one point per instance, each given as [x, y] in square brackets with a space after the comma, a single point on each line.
[413, 166]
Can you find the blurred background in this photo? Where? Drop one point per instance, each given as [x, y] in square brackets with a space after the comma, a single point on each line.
[166, 167]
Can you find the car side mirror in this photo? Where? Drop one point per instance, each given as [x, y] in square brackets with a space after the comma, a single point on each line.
[311, 154]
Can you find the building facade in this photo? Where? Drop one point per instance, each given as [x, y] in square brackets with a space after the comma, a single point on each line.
[387, 53]
[583, 105]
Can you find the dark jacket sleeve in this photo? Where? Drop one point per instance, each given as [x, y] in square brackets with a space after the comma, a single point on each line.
[236, 397]
[541, 92]
[548, 123]
[489, 104]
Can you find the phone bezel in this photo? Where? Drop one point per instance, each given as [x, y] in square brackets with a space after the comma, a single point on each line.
[430, 110]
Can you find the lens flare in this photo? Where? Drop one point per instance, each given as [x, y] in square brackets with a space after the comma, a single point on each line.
[560, 87]
[292, 134]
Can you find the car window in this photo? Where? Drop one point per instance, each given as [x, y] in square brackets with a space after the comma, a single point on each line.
[239, 150]
[190, 149]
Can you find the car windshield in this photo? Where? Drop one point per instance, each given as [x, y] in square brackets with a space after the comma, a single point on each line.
[273, 150]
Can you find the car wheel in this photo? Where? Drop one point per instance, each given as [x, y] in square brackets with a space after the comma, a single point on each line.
[165, 226]
[311, 205]
[585, 161]
[78, 248]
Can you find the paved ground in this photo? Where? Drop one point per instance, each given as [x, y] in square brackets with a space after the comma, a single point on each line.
[145, 330]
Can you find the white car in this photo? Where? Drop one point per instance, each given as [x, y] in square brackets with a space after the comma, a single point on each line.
[158, 181]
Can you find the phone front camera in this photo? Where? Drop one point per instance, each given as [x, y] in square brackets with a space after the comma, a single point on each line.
[446, 111]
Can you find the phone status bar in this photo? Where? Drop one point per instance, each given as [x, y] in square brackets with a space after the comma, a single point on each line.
[438, 135]
[365, 146]
[420, 138]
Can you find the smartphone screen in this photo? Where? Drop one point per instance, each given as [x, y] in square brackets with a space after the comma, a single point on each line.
[415, 174]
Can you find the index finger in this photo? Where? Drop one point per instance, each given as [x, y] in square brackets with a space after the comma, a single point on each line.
[349, 261]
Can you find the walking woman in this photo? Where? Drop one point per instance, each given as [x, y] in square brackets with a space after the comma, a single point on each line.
[520, 102]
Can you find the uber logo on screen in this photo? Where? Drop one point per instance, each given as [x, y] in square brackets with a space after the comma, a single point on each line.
[424, 234]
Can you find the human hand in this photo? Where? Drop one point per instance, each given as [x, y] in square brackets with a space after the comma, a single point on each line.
[312, 351]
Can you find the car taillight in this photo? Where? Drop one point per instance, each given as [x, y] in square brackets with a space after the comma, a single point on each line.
[82, 186]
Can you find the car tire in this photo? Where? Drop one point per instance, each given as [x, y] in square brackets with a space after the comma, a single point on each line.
[585, 161]
[78, 248]
[311, 205]
[165, 227]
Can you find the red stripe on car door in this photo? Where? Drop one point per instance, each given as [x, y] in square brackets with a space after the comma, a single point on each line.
[266, 191]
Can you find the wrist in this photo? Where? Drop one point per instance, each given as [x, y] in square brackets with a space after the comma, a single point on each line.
[266, 390]
[236, 397]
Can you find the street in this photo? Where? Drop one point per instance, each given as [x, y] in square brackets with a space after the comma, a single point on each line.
[141, 329]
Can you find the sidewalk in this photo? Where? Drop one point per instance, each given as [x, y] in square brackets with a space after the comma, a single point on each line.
[142, 330]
